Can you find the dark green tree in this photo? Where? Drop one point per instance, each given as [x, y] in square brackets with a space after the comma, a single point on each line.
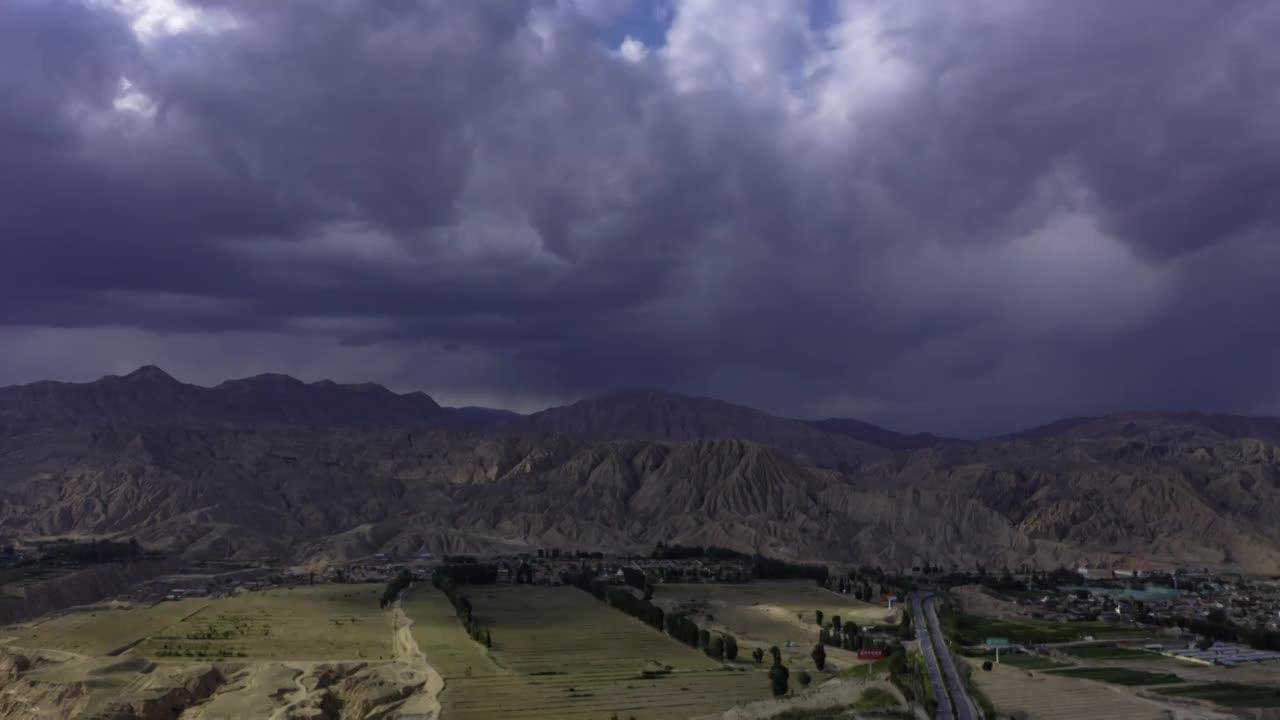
[835, 625]
[715, 648]
[778, 677]
[730, 648]
[819, 655]
[758, 655]
[817, 614]
[803, 678]
[777, 655]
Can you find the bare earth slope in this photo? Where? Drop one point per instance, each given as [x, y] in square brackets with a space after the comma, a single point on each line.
[330, 474]
[657, 415]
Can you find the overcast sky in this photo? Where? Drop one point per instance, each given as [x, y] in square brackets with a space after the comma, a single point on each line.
[961, 216]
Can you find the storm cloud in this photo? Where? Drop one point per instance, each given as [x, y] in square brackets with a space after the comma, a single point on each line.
[962, 217]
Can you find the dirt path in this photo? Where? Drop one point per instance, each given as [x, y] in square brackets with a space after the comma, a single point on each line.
[425, 704]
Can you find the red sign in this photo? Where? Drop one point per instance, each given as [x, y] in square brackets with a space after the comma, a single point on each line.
[870, 654]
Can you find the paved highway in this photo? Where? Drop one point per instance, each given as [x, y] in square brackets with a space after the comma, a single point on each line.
[965, 709]
[931, 661]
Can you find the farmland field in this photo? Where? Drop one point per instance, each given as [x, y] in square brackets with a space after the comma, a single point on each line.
[1119, 676]
[560, 653]
[102, 631]
[768, 613]
[1028, 662]
[1048, 696]
[974, 629]
[441, 637]
[310, 622]
[1230, 694]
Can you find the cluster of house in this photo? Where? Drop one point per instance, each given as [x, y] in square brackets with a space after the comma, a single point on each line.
[1242, 601]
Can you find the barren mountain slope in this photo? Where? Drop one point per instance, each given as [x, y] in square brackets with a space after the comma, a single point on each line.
[657, 415]
[1125, 490]
[149, 396]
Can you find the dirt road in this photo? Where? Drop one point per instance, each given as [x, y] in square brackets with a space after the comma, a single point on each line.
[425, 704]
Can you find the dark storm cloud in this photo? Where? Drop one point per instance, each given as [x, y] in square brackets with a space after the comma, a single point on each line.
[963, 218]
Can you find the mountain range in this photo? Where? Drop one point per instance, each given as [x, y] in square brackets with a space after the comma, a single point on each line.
[270, 466]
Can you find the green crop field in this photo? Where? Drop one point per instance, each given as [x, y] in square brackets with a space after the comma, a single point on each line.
[1027, 662]
[310, 622]
[102, 631]
[974, 629]
[1119, 676]
[1230, 694]
[560, 653]
[1109, 652]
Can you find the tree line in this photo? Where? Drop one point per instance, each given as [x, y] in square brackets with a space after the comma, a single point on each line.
[462, 606]
[675, 551]
[719, 646]
[1217, 626]
[396, 586]
[767, 568]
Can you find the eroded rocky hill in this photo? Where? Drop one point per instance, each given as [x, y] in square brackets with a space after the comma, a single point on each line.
[274, 467]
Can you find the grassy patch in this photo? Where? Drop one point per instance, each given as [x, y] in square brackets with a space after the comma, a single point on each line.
[105, 631]
[874, 698]
[867, 669]
[839, 713]
[313, 622]
[1230, 694]
[1107, 652]
[1120, 676]
[975, 629]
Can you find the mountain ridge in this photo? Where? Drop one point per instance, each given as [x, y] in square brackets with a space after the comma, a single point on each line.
[269, 466]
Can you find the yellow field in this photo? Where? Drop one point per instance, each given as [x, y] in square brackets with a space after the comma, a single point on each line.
[1047, 697]
[768, 613]
[541, 629]
[102, 631]
[560, 653]
[312, 622]
[441, 637]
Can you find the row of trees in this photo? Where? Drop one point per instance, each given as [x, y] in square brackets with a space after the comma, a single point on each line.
[852, 585]
[557, 553]
[469, 573]
[1217, 626]
[675, 551]
[720, 646]
[767, 568]
[462, 606]
[92, 551]
[394, 588]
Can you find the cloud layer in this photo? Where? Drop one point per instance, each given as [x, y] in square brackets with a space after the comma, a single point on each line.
[963, 218]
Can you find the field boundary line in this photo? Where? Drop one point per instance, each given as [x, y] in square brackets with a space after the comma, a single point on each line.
[135, 643]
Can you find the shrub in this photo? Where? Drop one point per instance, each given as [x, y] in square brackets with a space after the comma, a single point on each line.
[804, 678]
